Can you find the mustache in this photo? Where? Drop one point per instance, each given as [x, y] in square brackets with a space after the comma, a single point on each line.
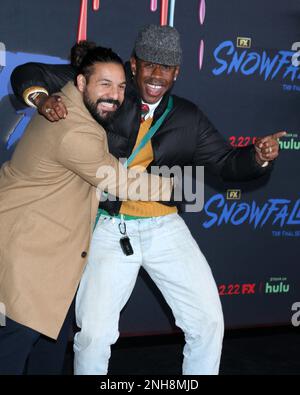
[153, 81]
[109, 101]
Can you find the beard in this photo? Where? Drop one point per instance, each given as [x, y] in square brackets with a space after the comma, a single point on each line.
[93, 109]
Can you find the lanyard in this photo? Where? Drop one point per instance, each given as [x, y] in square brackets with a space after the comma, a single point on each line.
[150, 133]
[142, 144]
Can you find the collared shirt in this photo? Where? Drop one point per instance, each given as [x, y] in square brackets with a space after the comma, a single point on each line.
[152, 108]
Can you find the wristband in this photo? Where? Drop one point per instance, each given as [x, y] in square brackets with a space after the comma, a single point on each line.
[33, 91]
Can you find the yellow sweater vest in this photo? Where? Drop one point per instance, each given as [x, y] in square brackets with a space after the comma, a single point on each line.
[144, 158]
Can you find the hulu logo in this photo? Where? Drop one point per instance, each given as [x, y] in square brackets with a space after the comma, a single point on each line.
[278, 288]
[289, 144]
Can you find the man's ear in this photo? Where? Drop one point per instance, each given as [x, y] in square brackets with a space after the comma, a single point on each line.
[81, 82]
[176, 72]
[133, 65]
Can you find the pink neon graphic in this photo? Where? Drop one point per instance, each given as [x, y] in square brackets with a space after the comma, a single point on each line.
[82, 26]
[201, 54]
[96, 5]
[153, 5]
[202, 10]
[167, 11]
[164, 12]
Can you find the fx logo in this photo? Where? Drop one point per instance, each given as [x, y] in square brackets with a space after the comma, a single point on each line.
[233, 194]
[243, 42]
[248, 289]
[296, 316]
[2, 314]
[2, 56]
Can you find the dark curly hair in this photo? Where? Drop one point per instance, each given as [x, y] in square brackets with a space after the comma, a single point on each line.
[97, 55]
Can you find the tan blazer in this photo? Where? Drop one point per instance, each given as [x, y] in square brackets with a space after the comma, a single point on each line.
[48, 206]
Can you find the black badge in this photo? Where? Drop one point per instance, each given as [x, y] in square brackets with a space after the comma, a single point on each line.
[126, 245]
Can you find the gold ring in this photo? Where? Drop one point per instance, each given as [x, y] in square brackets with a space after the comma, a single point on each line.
[47, 110]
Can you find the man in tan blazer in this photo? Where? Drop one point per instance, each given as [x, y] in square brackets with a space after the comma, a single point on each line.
[48, 204]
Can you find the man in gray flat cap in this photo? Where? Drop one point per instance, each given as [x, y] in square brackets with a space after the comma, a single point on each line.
[161, 242]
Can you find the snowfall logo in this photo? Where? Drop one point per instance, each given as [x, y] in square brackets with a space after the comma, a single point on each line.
[167, 13]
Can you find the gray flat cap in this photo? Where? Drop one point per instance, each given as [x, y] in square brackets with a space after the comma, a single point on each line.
[159, 44]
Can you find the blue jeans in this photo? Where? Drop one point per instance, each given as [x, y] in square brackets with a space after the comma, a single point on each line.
[165, 248]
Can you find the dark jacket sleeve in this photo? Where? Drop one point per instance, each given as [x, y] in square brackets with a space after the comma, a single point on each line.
[49, 76]
[231, 164]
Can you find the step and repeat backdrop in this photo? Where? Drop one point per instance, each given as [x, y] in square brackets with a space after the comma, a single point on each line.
[241, 66]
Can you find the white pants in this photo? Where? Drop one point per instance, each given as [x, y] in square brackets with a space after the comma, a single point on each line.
[165, 248]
